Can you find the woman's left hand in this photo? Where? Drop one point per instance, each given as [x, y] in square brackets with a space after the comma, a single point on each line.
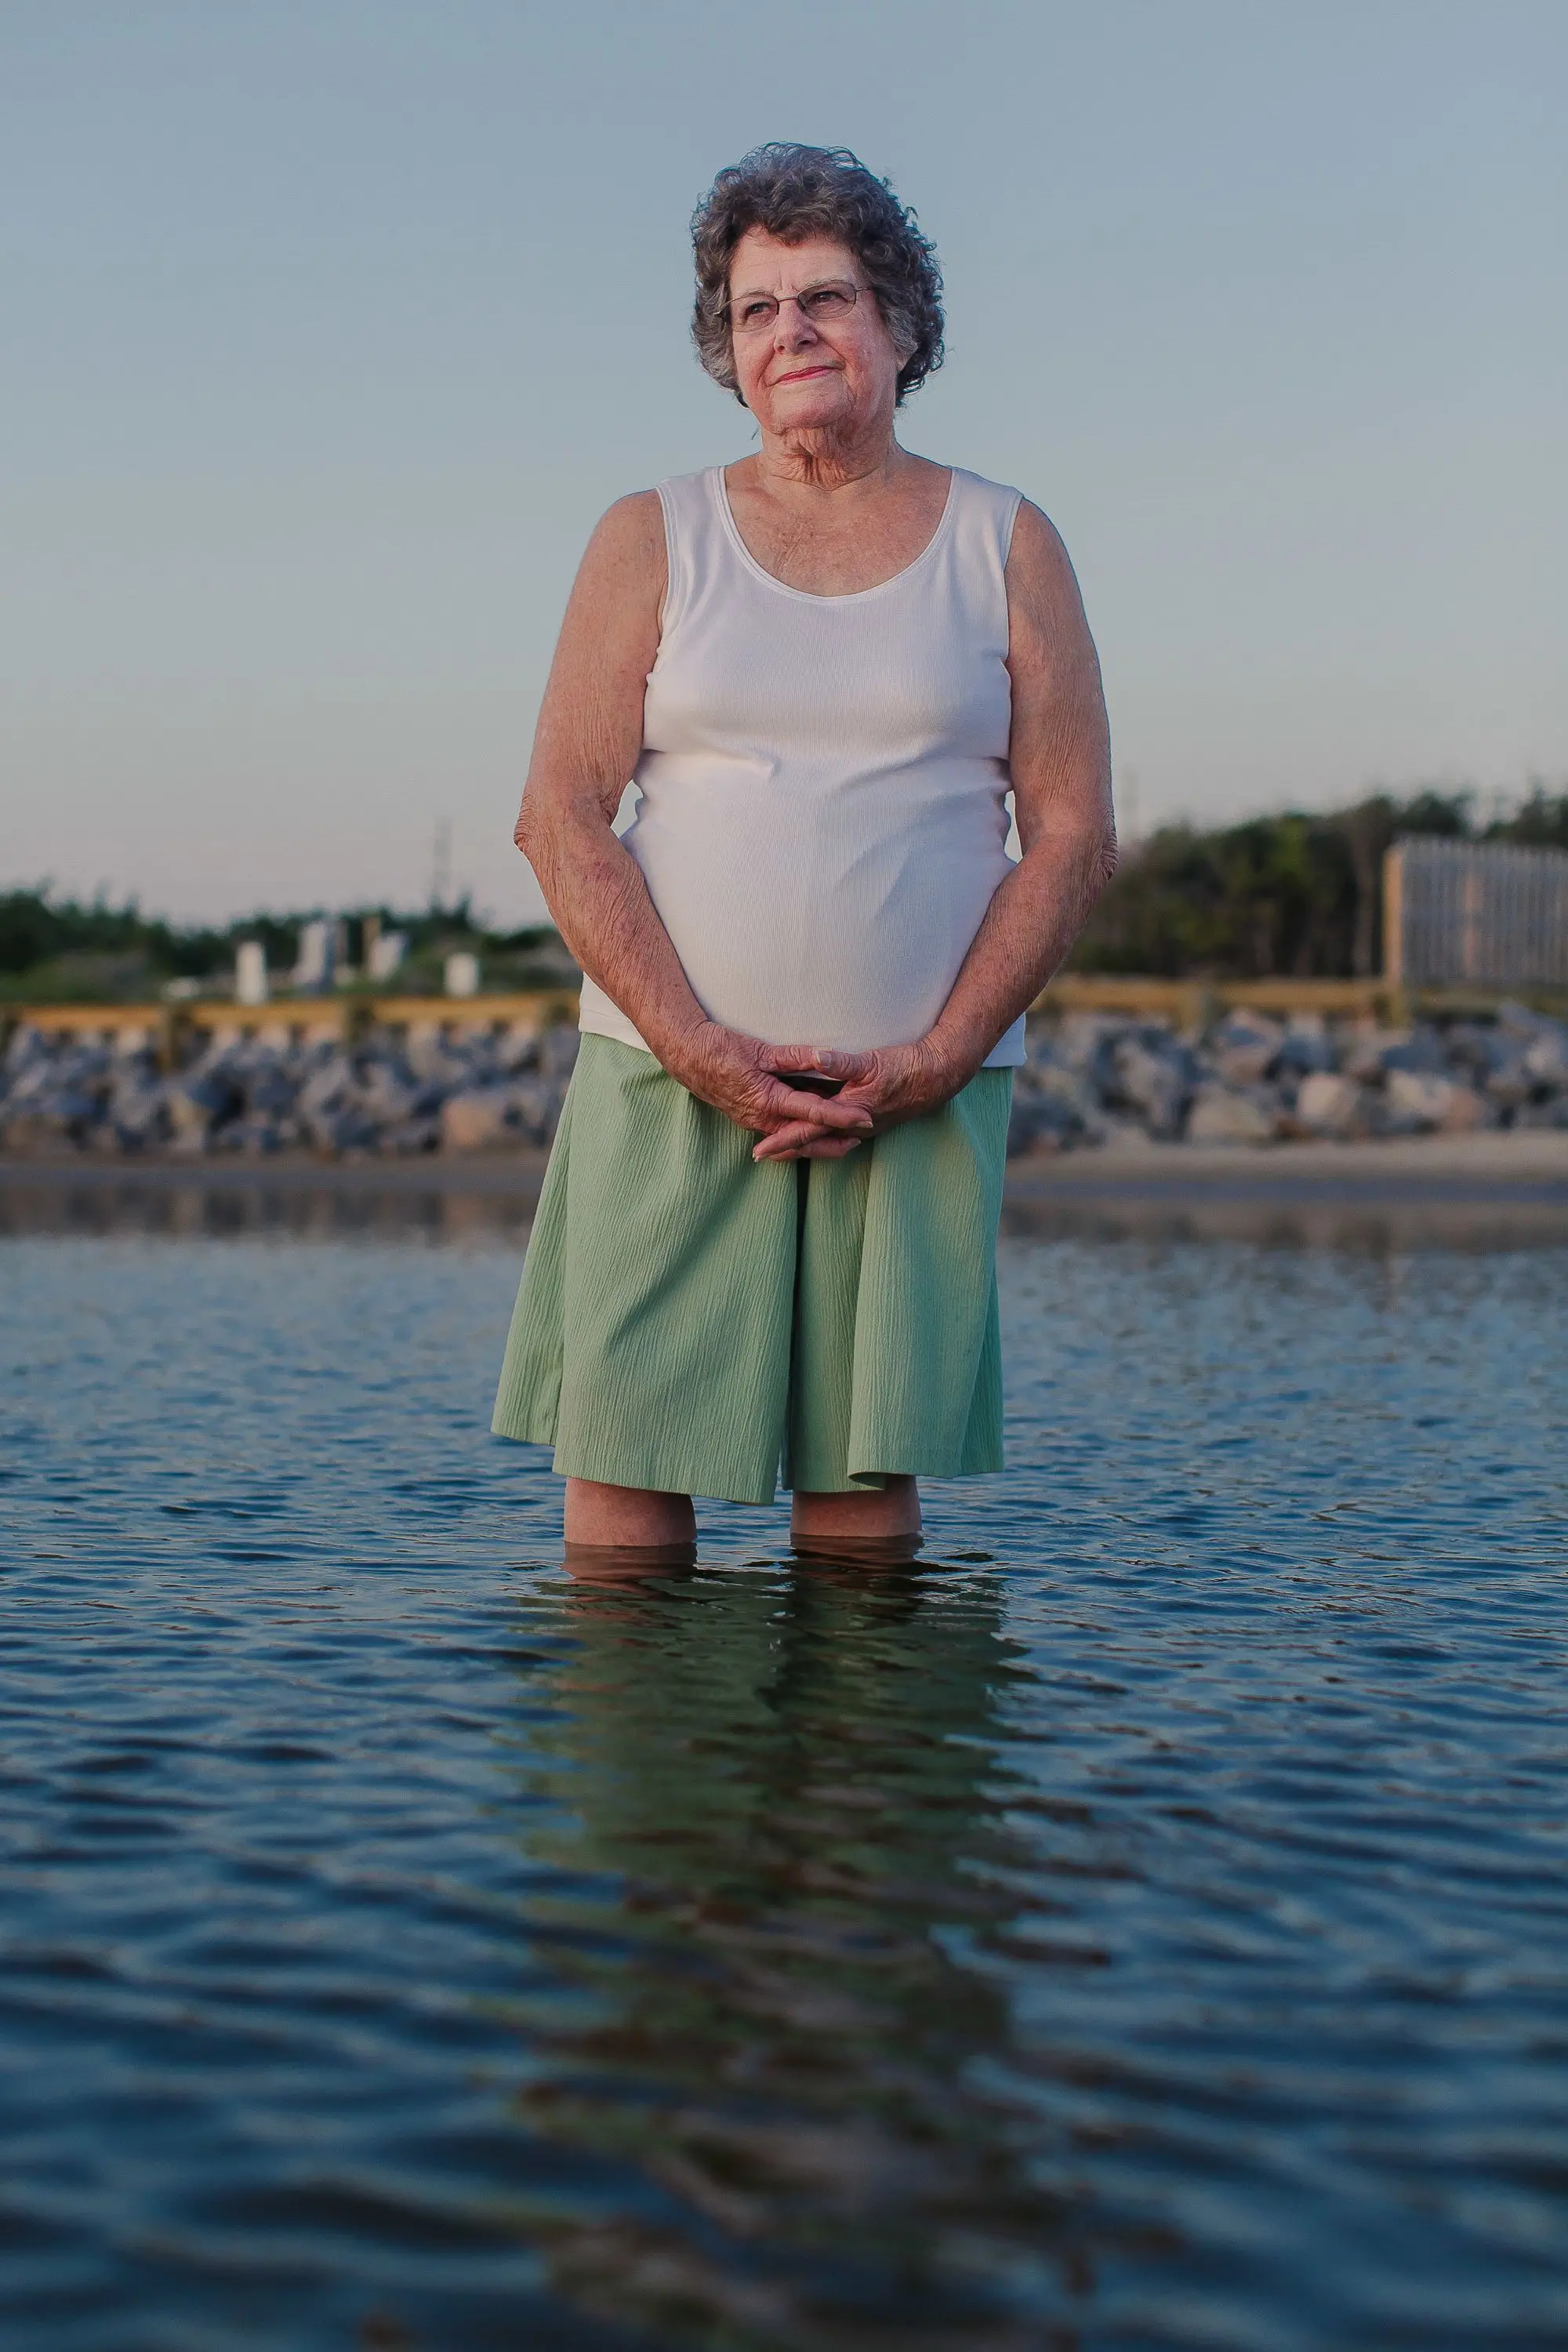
[904, 1082]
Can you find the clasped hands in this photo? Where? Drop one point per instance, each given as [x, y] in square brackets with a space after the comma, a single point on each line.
[750, 1083]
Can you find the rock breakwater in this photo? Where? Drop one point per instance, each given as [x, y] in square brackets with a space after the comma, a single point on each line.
[391, 1094]
[1102, 1079]
[1092, 1081]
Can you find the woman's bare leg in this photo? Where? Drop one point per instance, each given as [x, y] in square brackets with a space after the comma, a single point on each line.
[619, 1515]
[883, 1522]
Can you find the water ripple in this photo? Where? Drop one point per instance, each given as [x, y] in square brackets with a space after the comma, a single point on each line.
[1144, 1927]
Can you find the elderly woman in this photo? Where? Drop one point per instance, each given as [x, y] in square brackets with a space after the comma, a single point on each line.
[766, 1239]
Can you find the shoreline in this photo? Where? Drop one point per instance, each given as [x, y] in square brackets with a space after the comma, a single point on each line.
[1475, 1192]
[1496, 1163]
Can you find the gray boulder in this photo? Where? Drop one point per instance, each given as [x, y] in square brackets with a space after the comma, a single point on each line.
[326, 1106]
[536, 1107]
[1436, 1104]
[1245, 1048]
[517, 1049]
[1054, 1108]
[137, 1116]
[1042, 1122]
[1221, 1114]
[1472, 1049]
[197, 1105]
[478, 1119]
[49, 1118]
[1327, 1103]
[1155, 1079]
[1509, 1082]
[1545, 1057]
[1081, 1038]
[1306, 1049]
[23, 1048]
[435, 1062]
[1114, 1133]
[1363, 1048]
[1420, 1053]
[269, 1087]
[386, 1091]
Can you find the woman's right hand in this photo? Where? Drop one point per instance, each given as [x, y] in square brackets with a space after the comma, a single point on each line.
[749, 1082]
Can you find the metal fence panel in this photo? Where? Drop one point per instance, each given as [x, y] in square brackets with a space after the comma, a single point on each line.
[1457, 911]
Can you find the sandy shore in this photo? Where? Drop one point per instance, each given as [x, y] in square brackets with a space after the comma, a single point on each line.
[1478, 1191]
[1417, 1163]
[1495, 1163]
[1466, 1193]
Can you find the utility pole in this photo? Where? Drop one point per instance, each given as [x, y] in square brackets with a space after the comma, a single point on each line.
[441, 865]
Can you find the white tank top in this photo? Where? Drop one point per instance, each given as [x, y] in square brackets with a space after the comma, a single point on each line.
[823, 779]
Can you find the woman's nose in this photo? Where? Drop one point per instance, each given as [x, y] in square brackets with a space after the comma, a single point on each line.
[793, 327]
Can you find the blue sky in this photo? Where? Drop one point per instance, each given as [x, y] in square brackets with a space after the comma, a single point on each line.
[331, 325]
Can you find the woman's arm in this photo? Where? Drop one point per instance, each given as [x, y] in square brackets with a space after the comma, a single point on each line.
[585, 749]
[1060, 761]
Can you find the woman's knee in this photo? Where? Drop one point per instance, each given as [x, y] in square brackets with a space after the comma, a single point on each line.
[599, 1514]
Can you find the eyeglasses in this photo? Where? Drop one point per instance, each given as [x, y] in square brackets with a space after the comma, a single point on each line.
[821, 304]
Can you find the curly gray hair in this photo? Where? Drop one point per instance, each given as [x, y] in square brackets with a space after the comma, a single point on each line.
[795, 193]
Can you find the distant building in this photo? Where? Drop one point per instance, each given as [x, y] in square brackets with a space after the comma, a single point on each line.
[462, 973]
[313, 964]
[1481, 912]
[250, 973]
[387, 950]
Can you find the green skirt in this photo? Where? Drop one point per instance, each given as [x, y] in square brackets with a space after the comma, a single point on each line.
[694, 1321]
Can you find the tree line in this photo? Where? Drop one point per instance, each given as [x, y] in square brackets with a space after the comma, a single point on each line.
[59, 949]
[1297, 895]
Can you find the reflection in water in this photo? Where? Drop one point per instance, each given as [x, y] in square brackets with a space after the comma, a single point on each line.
[493, 1201]
[355, 1201]
[779, 1804]
[1368, 1220]
[400, 1951]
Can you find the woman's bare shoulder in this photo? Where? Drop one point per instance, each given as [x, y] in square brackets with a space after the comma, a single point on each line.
[632, 528]
[624, 565]
[1037, 552]
[1042, 586]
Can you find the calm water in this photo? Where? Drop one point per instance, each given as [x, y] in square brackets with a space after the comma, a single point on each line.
[1146, 1925]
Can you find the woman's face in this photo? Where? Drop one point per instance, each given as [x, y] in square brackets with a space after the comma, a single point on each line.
[799, 373]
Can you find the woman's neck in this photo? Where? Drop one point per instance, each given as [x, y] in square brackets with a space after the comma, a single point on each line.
[829, 459]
